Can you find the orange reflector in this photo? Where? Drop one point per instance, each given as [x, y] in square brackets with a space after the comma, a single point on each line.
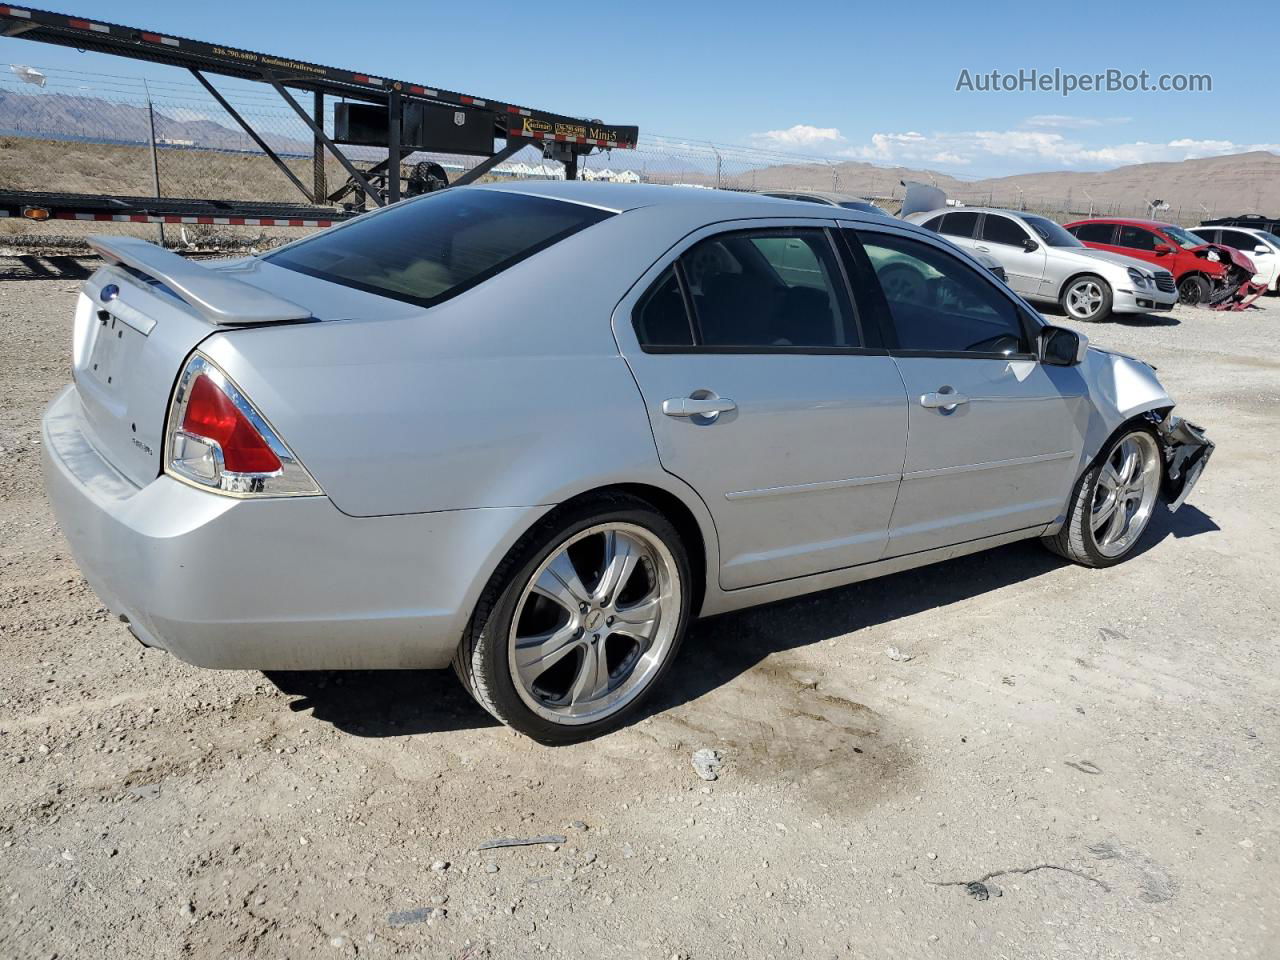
[35, 213]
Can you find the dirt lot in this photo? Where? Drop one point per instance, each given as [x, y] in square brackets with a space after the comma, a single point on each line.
[1100, 746]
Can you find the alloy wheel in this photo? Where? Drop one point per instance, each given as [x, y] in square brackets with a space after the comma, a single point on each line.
[1084, 299]
[595, 623]
[1125, 493]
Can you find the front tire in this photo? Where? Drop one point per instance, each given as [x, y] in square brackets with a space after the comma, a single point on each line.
[1087, 299]
[1112, 502]
[580, 622]
[1193, 291]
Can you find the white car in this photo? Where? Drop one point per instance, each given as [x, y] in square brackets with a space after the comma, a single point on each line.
[1047, 264]
[1259, 246]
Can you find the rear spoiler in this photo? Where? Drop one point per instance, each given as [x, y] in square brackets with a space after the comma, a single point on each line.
[220, 298]
[921, 198]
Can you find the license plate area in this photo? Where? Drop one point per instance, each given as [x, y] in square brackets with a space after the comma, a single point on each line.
[113, 341]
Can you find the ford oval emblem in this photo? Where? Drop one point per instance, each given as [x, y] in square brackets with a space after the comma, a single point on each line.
[109, 293]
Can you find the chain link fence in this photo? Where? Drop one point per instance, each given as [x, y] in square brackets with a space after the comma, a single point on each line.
[81, 132]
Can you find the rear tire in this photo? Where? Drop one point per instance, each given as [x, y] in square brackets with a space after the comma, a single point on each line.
[1193, 291]
[580, 622]
[1112, 502]
[1087, 299]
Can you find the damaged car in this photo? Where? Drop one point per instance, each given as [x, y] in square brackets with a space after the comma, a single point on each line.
[1206, 274]
[535, 430]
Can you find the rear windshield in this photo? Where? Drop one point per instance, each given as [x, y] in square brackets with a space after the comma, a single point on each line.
[427, 250]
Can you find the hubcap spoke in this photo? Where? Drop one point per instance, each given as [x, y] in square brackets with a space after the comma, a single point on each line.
[640, 620]
[1104, 512]
[620, 558]
[538, 653]
[592, 681]
[560, 583]
[1126, 491]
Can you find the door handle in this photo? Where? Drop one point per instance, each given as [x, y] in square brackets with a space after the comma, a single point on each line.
[945, 399]
[984, 249]
[708, 407]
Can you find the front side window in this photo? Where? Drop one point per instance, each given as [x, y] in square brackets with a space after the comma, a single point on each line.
[768, 290]
[959, 225]
[1183, 238]
[997, 229]
[939, 304]
[429, 249]
[1136, 238]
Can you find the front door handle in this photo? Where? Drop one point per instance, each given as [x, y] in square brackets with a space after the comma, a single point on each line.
[708, 407]
[945, 399]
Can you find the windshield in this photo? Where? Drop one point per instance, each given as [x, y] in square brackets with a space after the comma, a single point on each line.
[1051, 233]
[427, 250]
[1184, 238]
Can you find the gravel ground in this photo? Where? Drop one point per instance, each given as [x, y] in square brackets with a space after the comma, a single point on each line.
[1098, 747]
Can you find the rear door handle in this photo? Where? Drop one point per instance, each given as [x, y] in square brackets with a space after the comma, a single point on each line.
[944, 399]
[709, 407]
[984, 249]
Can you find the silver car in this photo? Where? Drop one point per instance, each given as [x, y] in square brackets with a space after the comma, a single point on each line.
[1045, 263]
[535, 430]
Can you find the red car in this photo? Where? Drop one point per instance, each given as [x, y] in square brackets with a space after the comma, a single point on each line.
[1181, 252]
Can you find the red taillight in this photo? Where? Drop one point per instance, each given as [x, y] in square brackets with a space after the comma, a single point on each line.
[211, 414]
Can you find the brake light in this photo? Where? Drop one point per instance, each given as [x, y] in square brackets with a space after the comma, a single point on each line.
[216, 439]
[210, 415]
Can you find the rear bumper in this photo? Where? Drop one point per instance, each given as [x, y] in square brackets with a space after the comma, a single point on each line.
[288, 583]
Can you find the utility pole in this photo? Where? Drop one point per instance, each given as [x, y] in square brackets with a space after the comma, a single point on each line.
[155, 160]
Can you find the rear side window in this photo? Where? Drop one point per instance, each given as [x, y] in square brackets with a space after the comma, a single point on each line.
[998, 229]
[661, 319]
[1239, 241]
[762, 291]
[1094, 232]
[933, 223]
[959, 225]
[428, 250]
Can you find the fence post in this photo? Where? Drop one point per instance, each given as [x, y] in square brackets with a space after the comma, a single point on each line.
[155, 160]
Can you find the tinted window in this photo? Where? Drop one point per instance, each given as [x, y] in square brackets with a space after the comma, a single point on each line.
[769, 290]
[940, 304]
[1003, 230]
[660, 318]
[1135, 238]
[959, 224]
[427, 250]
[933, 223]
[1095, 232]
[1050, 232]
[1239, 241]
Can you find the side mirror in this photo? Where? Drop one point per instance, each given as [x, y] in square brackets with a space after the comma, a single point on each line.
[1262, 250]
[1161, 249]
[1060, 347]
[1030, 245]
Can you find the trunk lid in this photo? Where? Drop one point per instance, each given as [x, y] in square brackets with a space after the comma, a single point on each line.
[137, 320]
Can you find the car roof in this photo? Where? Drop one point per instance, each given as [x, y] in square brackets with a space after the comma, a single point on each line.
[621, 197]
[967, 209]
[1129, 221]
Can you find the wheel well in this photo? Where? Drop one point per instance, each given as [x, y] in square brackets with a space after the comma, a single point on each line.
[681, 517]
[1076, 276]
[1195, 273]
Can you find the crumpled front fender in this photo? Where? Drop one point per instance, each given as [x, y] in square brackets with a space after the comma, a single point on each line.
[1186, 452]
[1123, 388]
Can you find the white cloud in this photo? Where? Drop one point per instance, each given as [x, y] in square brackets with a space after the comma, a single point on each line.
[1062, 121]
[800, 136]
[1031, 150]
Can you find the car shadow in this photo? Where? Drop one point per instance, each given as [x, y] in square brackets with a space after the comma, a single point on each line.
[397, 703]
[1122, 319]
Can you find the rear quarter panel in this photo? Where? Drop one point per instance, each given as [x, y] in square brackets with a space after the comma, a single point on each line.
[511, 394]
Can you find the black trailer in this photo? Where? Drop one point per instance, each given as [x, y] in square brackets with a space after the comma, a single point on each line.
[401, 116]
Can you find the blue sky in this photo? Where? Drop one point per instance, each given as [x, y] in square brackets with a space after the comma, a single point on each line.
[866, 81]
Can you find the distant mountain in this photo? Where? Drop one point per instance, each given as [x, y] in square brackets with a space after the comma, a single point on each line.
[1222, 186]
[69, 117]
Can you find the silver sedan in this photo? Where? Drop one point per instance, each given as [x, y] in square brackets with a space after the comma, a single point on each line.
[533, 431]
[1045, 263]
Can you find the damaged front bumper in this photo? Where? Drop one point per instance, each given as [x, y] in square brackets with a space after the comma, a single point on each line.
[1186, 451]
